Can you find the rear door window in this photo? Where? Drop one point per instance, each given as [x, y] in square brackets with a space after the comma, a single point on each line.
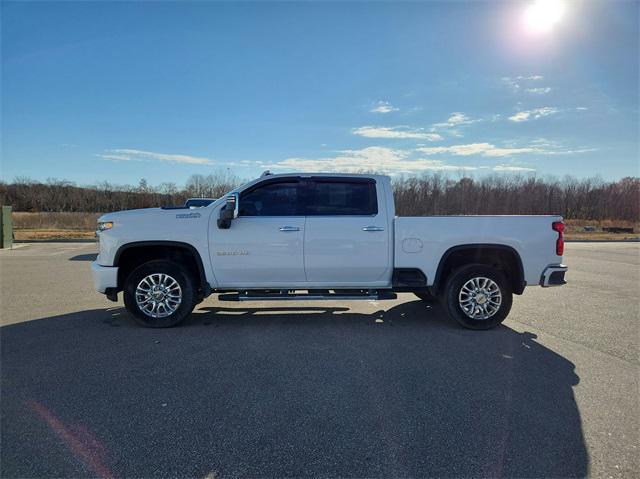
[336, 197]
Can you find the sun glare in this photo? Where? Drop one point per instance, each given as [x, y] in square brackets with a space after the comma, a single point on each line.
[542, 15]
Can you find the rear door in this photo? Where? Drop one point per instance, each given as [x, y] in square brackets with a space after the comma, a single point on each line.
[346, 240]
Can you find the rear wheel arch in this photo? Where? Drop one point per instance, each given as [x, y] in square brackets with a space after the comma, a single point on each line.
[502, 257]
[131, 255]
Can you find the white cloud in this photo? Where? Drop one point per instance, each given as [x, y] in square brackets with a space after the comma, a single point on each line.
[396, 132]
[539, 91]
[439, 165]
[515, 83]
[545, 144]
[540, 146]
[383, 107]
[511, 168]
[455, 119]
[458, 118]
[520, 116]
[123, 154]
[571, 152]
[373, 158]
[369, 158]
[533, 114]
[395, 161]
[118, 157]
[511, 83]
[483, 149]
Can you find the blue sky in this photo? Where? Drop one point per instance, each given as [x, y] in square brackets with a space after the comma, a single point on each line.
[119, 91]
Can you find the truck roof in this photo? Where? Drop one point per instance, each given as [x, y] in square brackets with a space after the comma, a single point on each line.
[324, 174]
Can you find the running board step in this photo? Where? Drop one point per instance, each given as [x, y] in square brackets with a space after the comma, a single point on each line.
[339, 295]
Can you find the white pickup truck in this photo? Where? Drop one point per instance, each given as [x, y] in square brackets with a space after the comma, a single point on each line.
[321, 236]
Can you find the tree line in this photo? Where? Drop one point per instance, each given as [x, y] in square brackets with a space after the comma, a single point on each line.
[431, 194]
[589, 199]
[25, 194]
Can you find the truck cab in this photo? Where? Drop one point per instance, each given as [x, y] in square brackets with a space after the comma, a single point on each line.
[307, 231]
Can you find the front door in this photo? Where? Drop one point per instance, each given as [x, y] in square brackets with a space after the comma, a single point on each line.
[263, 247]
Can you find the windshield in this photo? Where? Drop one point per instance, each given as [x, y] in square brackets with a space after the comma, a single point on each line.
[197, 203]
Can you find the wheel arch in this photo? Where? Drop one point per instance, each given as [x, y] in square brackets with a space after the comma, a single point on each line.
[505, 257]
[131, 255]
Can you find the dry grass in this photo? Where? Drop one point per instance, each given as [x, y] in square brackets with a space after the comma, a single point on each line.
[82, 225]
[56, 225]
[601, 236]
[575, 230]
[51, 234]
[55, 220]
[602, 224]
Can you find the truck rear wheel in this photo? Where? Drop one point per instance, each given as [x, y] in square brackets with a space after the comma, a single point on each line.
[477, 296]
[159, 294]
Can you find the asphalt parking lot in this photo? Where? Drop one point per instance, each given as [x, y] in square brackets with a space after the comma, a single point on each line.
[349, 389]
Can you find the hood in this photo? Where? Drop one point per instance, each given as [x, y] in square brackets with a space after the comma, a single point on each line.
[129, 214]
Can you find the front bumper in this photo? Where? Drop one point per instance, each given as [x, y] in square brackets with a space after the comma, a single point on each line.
[553, 275]
[104, 277]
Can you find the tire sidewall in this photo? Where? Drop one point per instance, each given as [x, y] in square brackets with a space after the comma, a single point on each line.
[166, 267]
[458, 278]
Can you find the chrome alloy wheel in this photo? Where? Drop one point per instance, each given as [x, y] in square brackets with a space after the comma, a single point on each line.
[480, 298]
[158, 295]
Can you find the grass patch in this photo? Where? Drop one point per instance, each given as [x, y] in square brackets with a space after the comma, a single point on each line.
[51, 234]
[55, 221]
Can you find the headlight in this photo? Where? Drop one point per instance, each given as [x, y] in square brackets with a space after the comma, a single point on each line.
[104, 225]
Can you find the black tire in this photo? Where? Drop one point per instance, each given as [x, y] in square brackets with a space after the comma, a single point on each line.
[177, 272]
[426, 297]
[454, 285]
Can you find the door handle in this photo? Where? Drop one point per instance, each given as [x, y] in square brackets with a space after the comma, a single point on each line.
[373, 228]
[289, 228]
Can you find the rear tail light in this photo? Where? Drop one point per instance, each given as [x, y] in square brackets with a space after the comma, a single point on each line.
[559, 227]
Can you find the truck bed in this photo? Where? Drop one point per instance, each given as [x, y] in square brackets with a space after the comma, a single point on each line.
[420, 242]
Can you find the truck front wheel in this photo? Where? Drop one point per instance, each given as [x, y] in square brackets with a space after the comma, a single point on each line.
[159, 294]
[477, 296]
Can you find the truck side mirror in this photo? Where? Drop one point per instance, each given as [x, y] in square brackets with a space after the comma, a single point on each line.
[229, 211]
